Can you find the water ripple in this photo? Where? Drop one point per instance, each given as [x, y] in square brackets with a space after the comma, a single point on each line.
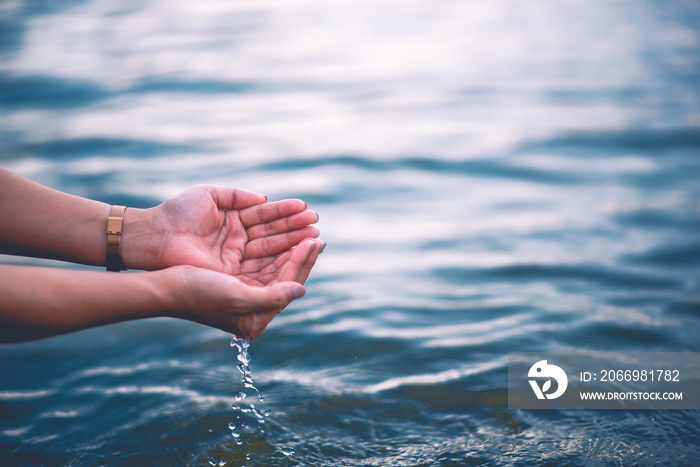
[599, 275]
[494, 168]
[439, 378]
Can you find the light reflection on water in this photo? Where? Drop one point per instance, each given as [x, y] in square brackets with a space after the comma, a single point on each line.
[491, 177]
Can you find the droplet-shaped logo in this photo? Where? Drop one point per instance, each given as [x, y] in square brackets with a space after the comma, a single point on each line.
[541, 370]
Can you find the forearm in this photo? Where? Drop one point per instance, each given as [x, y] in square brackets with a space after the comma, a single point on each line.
[40, 302]
[41, 222]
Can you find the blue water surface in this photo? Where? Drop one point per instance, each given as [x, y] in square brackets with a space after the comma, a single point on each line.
[491, 177]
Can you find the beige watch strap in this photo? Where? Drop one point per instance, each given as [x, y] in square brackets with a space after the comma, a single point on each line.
[114, 261]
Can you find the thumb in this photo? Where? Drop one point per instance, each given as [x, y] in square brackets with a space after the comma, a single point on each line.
[234, 198]
[277, 296]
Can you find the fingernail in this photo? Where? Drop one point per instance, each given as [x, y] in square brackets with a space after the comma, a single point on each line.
[317, 217]
[297, 292]
[323, 247]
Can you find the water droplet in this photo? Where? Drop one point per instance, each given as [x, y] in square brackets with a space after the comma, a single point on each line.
[247, 456]
[287, 450]
[222, 463]
[235, 433]
[239, 441]
[231, 426]
[244, 358]
[212, 461]
[240, 396]
[266, 412]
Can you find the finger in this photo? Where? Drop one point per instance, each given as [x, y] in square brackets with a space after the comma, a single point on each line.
[234, 198]
[302, 259]
[310, 261]
[269, 212]
[270, 246]
[286, 224]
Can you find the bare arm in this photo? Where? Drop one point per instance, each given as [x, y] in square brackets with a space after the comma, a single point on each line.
[41, 222]
[41, 302]
[217, 228]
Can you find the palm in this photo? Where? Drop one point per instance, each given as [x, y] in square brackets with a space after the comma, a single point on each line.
[235, 232]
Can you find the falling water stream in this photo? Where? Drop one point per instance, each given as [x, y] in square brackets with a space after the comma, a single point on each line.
[249, 418]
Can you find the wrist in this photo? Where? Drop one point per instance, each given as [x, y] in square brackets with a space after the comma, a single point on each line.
[137, 249]
[166, 289]
[173, 287]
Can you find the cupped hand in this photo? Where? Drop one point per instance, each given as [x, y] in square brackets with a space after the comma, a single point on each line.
[222, 229]
[244, 303]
